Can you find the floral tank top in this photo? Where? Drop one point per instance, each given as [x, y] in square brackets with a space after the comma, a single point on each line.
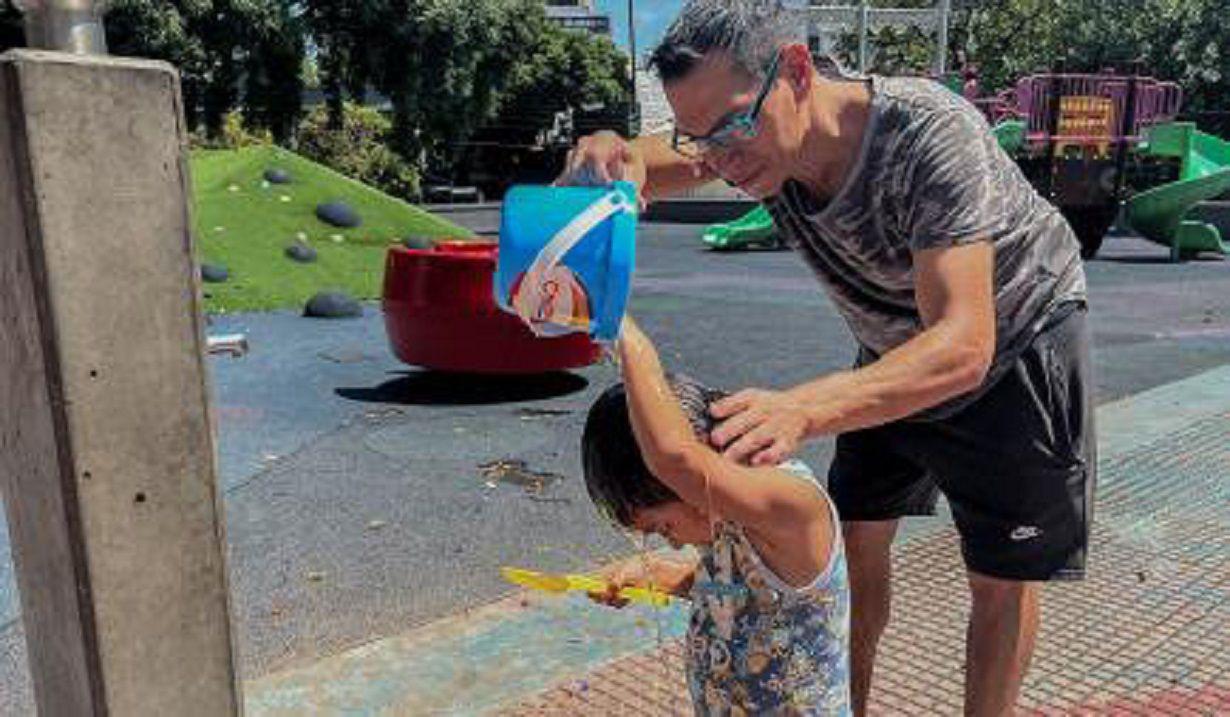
[756, 645]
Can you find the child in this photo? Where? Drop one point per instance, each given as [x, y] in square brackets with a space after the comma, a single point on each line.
[770, 600]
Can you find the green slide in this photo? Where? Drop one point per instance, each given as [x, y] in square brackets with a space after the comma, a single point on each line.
[1010, 134]
[755, 227]
[1157, 214]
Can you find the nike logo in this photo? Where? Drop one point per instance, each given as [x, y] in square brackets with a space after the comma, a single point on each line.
[1025, 532]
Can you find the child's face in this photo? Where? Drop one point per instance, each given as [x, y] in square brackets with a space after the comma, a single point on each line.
[678, 522]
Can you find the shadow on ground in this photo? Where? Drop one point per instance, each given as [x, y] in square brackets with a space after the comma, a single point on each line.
[435, 388]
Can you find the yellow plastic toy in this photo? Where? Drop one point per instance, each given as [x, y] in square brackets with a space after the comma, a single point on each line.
[555, 583]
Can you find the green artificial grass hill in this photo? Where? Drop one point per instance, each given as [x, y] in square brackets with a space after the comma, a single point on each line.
[245, 224]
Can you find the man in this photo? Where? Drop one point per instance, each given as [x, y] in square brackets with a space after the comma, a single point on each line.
[962, 286]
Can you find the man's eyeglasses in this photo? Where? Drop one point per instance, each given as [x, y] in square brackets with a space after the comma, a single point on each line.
[739, 128]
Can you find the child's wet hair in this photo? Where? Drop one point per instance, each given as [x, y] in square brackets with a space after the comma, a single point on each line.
[616, 476]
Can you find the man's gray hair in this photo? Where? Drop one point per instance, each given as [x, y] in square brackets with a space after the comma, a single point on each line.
[750, 31]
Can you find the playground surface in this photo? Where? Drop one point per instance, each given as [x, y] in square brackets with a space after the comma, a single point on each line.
[366, 537]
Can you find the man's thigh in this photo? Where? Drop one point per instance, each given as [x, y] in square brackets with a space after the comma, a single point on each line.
[870, 481]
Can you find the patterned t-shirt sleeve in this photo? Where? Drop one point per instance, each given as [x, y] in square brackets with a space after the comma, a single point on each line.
[954, 175]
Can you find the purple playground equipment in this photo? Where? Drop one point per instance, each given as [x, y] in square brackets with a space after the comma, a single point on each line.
[1079, 138]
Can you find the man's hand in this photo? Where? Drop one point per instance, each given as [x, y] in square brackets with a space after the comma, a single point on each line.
[603, 158]
[760, 428]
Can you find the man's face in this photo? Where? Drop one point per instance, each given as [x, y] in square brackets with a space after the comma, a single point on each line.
[714, 92]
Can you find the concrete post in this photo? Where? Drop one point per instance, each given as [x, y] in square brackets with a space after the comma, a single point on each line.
[942, 14]
[864, 23]
[66, 25]
[107, 457]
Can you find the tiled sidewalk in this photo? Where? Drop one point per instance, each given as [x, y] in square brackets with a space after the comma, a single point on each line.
[1148, 633]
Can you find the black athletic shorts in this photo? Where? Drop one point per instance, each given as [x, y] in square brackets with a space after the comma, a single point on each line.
[1017, 465]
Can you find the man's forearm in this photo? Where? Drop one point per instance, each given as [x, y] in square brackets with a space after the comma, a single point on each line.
[668, 173]
[924, 372]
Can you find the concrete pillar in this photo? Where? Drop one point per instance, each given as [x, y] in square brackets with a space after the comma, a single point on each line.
[107, 456]
[864, 27]
[943, 14]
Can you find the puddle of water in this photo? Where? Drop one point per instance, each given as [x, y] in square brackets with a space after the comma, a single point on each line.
[516, 472]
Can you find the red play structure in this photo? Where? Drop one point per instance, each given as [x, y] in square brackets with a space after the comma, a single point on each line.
[440, 313]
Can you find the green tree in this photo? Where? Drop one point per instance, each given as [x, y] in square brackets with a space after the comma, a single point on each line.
[341, 38]
[564, 69]
[274, 71]
[443, 64]
[11, 34]
[359, 150]
[219, 47]
[1191, 45]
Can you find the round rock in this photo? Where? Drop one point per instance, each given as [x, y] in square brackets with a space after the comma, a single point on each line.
[214, 273]
[301, 253]
[273, 175]
[338, 214]
[420, 242]
[332, 305]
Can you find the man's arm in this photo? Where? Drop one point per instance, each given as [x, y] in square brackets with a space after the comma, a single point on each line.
[954, 291]
[669, 173]
[764, 499]
[648, 161]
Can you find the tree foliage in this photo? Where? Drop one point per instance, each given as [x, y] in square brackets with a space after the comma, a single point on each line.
[1187, 41]
[359, 149]
[10, 26]
[230, 53]
[449, 67]
[562, 69]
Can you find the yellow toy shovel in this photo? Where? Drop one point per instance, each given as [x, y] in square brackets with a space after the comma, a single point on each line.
[555, 583]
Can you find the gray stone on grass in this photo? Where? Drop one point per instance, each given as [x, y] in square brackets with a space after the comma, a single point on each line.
[273, 175]
[214, 273]
[332, 305]
[420, 242]
[301, 253]
[338, 214]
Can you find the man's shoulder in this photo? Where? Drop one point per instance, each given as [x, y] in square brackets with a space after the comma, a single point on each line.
[919, 101]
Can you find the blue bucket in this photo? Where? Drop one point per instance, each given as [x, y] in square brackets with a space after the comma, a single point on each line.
[566, 258]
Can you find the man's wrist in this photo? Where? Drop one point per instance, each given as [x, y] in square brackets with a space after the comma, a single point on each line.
[819, 402]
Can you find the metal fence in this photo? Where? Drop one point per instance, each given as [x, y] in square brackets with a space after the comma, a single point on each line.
[1094, 107]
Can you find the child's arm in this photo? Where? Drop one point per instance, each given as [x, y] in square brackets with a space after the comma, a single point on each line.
[780, 508]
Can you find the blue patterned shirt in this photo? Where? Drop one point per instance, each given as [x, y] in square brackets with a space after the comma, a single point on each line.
[755, 644]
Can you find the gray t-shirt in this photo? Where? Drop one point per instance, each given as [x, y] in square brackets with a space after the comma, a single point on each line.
[930, 174]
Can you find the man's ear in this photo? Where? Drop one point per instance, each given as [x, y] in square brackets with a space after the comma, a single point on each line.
[797, 68]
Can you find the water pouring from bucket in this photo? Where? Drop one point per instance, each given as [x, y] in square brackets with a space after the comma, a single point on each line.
[566, 258]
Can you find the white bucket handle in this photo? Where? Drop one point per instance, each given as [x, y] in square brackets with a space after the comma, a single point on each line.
[550, 256]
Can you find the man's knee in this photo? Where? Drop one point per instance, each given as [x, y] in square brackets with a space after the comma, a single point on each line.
[869, 543]
[997, 594]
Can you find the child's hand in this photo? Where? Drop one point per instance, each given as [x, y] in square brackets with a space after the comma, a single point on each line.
[650, 572]
[624, 574]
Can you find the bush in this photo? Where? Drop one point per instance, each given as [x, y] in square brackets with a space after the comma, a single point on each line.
[235, 135]
[359, 149]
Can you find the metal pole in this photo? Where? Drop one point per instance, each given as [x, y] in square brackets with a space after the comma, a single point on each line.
[941, 52]
[1126, 136]
[74, 26]
[864, 17]
[634, 103]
